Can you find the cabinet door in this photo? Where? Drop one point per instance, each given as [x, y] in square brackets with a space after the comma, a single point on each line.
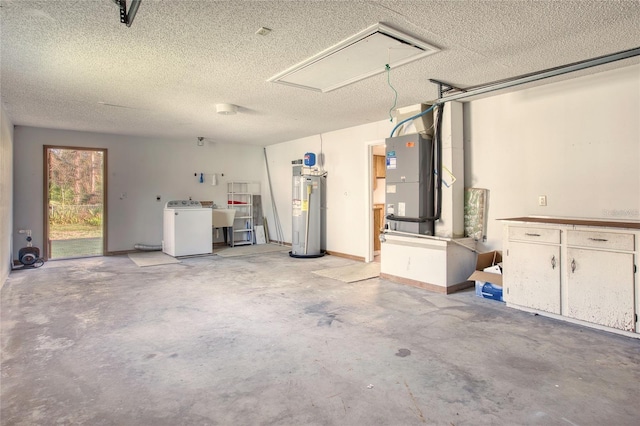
[377, 224]
[381, 166]
[532, 276]
[600, 287]
[374, 175]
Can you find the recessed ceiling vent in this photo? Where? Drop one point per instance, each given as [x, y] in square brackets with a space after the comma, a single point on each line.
[356, 58]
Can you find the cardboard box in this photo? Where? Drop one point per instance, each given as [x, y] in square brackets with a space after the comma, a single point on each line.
[488, 275]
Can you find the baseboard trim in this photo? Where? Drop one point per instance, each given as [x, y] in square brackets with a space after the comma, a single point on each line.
[331, 253]
[427, 286]
[279, 242]
[346, 256]
[122, 252]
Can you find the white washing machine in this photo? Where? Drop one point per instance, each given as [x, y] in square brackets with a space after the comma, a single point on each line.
[187, 229]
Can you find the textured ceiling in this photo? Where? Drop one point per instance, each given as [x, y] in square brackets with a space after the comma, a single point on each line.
[64, 64]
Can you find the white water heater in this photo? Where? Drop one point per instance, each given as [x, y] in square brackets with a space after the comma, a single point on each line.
[308, 237]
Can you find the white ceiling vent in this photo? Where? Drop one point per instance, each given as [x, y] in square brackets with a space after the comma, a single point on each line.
[356, 58]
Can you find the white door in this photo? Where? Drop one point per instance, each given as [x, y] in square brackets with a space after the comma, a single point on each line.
[532, 276]
[600, 287]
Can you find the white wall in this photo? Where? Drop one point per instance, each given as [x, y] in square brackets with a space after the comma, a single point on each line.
[346, 162]
[576, 141]
[380, 191]
[140, 167]
[6, 193]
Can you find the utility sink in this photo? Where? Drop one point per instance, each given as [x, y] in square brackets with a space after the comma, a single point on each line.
[223, 217]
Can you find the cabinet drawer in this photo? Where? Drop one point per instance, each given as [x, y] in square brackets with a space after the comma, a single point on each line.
[534, 235]
[601, 240]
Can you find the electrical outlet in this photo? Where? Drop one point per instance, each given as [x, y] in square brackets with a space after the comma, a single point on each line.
[542, 200]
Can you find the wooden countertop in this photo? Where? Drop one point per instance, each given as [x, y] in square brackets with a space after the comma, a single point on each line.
[580, 222]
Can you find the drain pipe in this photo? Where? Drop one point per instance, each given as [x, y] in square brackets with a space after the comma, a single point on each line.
[306, 228]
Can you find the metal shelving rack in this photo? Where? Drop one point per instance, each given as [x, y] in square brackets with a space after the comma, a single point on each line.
[240, 198]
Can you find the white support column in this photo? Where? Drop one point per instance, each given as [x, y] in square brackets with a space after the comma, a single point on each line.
[451, 223]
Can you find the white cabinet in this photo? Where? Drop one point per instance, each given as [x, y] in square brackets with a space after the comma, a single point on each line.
[240, 198]
[583, 271]
[600, 278]
[532, 276]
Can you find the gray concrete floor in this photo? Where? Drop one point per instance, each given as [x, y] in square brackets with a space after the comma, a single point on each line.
[260, 340]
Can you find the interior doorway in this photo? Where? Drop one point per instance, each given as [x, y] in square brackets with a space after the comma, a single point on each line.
[378, 173]
[75, 190]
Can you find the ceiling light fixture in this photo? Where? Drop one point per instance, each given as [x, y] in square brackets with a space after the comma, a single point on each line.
[226, 109]
[356, 58]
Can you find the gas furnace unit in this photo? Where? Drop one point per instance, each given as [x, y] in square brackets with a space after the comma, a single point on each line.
[410, 179]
